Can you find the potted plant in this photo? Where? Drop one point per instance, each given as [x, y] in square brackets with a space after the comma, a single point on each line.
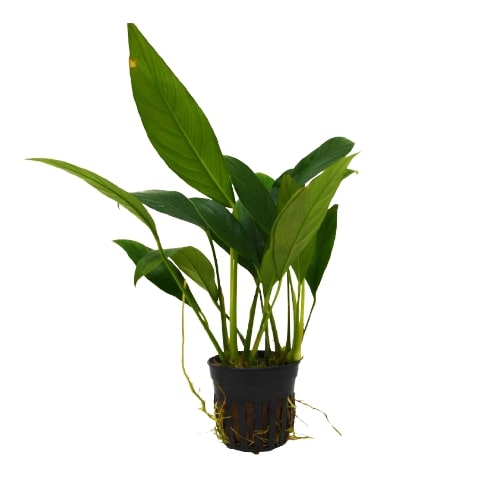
[278, 232]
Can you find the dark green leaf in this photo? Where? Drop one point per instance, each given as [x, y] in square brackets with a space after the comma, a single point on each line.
[324, 243]
[147, 264]
[252, 193]
[256, 235]
[189, 259]
[319, 159]
[179, 206]
[164, 278]
[172, 203]
[175, 124]
[226, 228]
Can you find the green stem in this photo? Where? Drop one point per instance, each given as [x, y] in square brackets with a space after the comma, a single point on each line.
[261, 330]
[290, 306]
[309, 316]
[294, 308]
[223, 313]
[275, 335]
[251, 322]
[233, 350]
[299, 324]
[302, 310]
[267, 346]
[266, 311]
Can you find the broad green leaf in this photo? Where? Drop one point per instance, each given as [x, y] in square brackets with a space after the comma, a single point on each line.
[195, 265]
[172, 203]
[252, 193]
[165, 278]
[319, 159]
[226, 228]
[324, 242]
[188, 259]
[179, 206]
[298, 222]
[253, 232]
[175, 124]
[112, 191]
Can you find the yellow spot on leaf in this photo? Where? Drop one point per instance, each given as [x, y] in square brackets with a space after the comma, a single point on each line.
[132, 63]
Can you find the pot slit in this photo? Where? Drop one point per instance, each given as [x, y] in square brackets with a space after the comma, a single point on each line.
[255, 426]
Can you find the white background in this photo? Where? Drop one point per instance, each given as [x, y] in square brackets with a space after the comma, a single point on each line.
[402, 352]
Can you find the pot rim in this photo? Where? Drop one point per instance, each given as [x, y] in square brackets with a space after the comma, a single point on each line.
[215, 363]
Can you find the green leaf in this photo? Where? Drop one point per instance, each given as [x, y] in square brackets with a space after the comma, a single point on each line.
[175, 124]
[188, 259]
[147, 264]
[304, 259]
[287, 190]
[253, 232]
[112, 191]
[226, 228]
[172, 203]
[298, 222]
[179, 206]
[161, 276]
[252, 193]
[319, 159]
[324, 243]
[195, 265]
[266, 180]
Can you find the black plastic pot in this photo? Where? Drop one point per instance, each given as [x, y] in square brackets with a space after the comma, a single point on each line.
[254, 407]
